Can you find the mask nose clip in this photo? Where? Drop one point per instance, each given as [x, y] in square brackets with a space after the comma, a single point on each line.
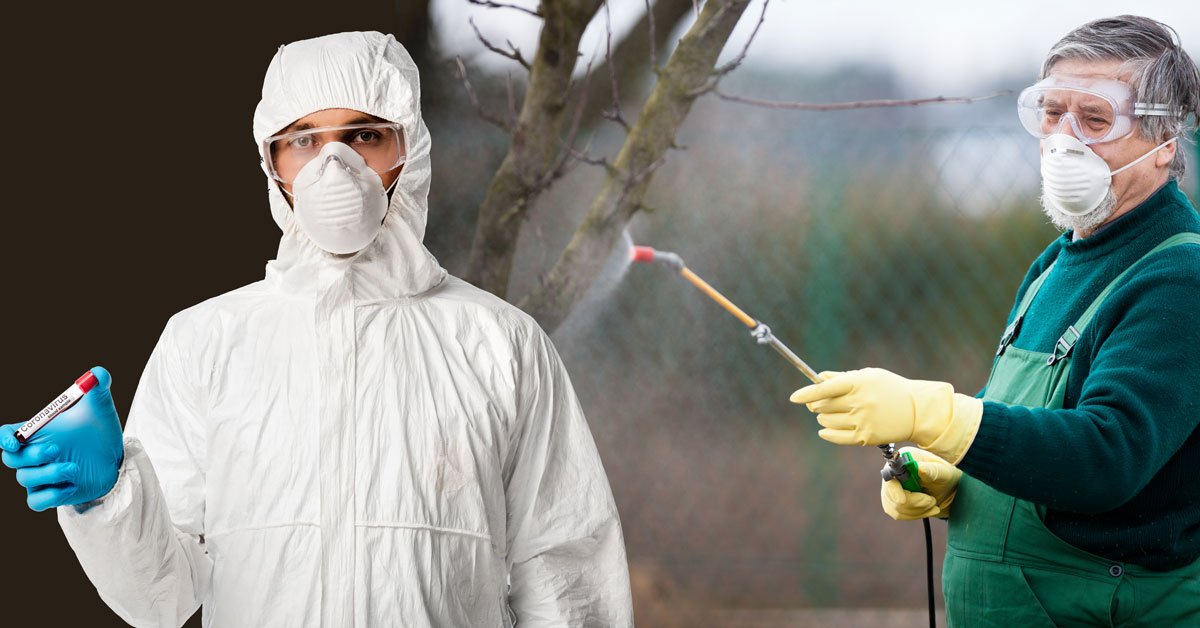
[1067, 151]
[342, 164]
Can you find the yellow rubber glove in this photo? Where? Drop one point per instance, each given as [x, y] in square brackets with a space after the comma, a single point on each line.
[875, 407]
[939, 485]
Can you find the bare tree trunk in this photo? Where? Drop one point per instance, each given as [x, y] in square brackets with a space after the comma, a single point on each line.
[685, 76]
[535, 144]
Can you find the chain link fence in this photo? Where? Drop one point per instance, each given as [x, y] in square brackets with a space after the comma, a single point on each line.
[874, 240]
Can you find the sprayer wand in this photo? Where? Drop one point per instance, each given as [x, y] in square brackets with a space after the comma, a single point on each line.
[902, 467]
[761, 332]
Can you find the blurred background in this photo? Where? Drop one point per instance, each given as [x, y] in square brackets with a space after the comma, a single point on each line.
[876, 237]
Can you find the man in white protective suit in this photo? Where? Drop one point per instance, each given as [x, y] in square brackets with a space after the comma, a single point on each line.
[359, 439]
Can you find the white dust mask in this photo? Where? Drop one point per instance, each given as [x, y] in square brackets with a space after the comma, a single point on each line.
[339, 200]
[1074, 178]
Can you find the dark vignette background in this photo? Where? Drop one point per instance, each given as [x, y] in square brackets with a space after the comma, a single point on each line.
[132, 191]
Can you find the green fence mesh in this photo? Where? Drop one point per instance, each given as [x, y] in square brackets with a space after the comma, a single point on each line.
[860, 245]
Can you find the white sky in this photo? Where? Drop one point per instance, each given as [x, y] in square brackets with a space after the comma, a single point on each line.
[951, 47]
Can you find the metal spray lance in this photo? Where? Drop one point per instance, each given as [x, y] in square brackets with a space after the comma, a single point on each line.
[902, 468]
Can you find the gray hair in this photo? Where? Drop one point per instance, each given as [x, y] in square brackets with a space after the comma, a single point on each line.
[1161, 71]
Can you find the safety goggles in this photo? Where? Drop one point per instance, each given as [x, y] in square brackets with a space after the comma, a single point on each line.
[381, 145]
[1095, 109]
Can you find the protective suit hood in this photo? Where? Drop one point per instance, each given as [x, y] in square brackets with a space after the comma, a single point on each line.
[369, 72]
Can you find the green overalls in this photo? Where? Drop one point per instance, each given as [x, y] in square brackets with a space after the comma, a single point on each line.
[1005, 568]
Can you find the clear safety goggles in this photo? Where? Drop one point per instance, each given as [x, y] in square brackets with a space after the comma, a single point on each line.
[1094, 109]
[381, 145]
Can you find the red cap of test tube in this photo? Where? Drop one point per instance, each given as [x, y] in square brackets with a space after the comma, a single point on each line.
[86, 381]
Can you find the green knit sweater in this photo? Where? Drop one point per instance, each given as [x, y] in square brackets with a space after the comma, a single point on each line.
[1118, 468]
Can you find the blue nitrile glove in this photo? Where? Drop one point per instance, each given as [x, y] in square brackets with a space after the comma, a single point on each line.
[74, 458]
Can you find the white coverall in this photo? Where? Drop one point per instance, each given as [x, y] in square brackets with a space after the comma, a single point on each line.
[359, 440]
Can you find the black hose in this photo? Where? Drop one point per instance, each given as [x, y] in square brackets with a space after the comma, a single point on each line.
[929, 571]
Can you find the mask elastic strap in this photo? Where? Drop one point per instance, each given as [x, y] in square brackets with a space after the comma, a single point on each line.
[1131, 164]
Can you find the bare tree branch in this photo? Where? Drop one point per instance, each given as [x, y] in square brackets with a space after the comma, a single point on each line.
[512, 98]
[560, 166]
[636, 55]
[501, 5]
[737, 61]
[584, 157]
[633, 179]
[613, 114]
[721, 71]
[858, 104]
[653, 44]
[462, 74]
[645, 173]
[515, 54]
[623, 192]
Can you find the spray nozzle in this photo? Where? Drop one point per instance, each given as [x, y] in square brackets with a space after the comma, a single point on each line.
[648, 254]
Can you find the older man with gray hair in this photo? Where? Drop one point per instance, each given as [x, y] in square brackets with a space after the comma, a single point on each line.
[1070, 482]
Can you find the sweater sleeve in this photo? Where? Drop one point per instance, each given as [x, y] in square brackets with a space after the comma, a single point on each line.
[1136, 405]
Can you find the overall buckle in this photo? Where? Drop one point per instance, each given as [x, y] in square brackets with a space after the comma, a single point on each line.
[1065, 344]
[1009, 334]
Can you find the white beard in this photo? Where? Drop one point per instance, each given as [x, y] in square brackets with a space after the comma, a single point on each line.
[1085, 223]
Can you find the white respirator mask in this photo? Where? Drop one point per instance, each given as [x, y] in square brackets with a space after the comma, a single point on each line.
[1074, 178]
[339, 201]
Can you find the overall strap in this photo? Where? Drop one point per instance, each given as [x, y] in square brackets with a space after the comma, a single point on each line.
[1010, 334]
[1067, 341]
